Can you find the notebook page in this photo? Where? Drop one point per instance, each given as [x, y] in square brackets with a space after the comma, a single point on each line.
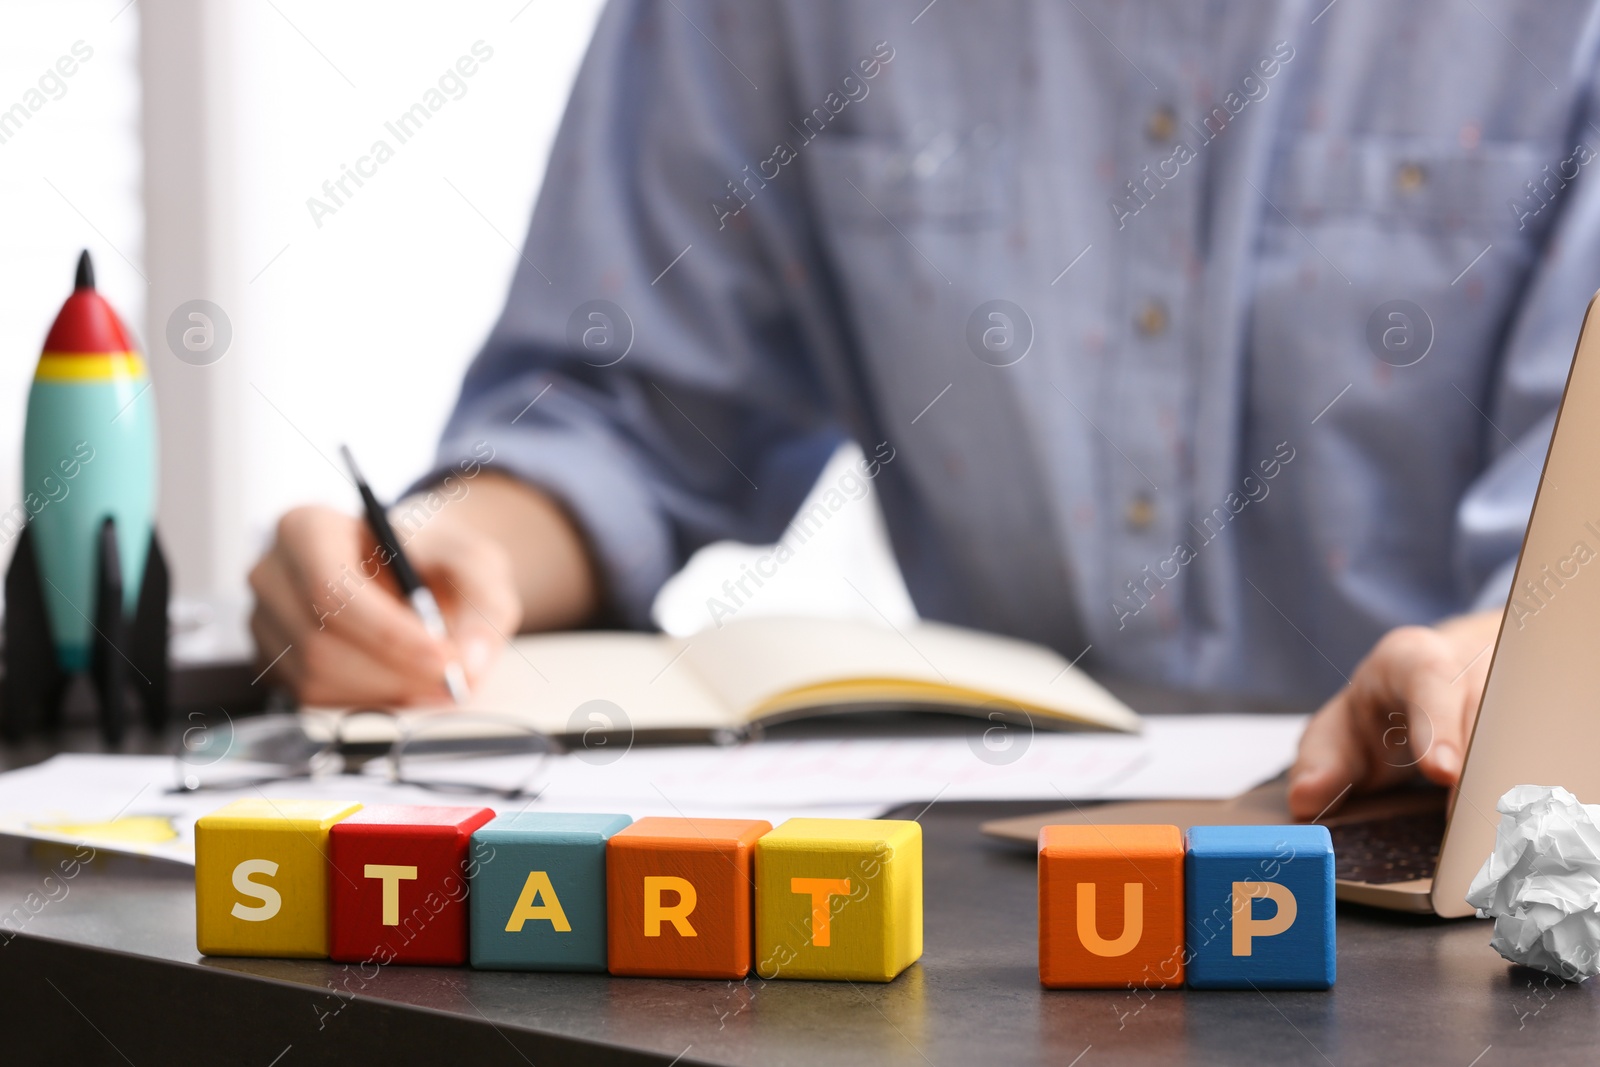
[542, 679]
[758, 665]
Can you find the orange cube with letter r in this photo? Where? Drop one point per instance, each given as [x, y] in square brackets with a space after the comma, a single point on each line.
[679, 897]
[1111, 907]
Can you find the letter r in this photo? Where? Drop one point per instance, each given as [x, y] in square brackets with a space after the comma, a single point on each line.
[1246, 925]
[655, 913]
[821, 891]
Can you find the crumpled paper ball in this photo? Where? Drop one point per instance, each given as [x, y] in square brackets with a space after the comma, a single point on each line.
[1542, 883]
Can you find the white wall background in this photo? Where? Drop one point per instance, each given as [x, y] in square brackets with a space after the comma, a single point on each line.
[69, 179]
[355, 330]
[358, 330]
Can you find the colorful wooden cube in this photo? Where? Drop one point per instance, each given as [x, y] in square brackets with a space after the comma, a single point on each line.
[1260, 907]
[261, 877]
[1111, 907]
[839, 898]
[538, 899]
[398, 887]
[678, 897]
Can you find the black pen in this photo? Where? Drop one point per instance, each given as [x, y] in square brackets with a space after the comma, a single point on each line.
[411, 586]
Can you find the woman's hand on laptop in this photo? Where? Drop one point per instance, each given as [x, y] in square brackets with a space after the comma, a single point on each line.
[1408, 708]
[498, 555]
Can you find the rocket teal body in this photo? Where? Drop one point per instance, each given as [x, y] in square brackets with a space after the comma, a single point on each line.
[89, 453]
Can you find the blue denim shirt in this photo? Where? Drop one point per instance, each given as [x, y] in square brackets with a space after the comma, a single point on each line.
[1217, 338]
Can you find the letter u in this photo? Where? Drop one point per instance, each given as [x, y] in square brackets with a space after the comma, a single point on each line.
[1132, 920]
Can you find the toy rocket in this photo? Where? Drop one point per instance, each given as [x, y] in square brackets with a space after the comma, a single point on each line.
[87, 586]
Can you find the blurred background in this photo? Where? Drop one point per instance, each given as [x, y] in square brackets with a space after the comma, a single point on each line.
[185, 150]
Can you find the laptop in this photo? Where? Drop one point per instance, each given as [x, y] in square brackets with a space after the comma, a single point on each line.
[1538, 723]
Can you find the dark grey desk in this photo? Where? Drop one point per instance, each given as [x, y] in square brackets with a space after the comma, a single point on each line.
[108, 973]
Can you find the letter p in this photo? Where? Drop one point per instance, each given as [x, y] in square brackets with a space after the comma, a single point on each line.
[1247, 926]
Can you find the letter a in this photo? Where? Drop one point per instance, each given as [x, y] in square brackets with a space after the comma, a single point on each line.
[538, 888]
[1132, 920]
[1246, 925]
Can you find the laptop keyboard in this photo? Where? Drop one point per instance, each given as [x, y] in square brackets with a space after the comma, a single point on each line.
[1393, 849]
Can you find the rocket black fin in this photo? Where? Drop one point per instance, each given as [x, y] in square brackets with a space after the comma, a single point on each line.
[149, 641]
[108, 660]
[34, 683]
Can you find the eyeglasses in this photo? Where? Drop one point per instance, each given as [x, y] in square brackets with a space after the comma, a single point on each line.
[446, 752]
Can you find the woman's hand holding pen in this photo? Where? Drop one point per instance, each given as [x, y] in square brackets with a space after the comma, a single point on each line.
[330, 623]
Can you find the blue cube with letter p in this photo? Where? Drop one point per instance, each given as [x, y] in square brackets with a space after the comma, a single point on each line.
[1260, 907]
[538, 898]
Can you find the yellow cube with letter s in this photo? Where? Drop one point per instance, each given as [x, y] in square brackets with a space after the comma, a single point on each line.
[261, 877]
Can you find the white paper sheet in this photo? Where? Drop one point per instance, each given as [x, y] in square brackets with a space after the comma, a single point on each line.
[1210, 756]
[125, 803]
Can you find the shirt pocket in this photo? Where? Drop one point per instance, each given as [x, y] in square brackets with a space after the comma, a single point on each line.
[948, 182]
[1397, 184]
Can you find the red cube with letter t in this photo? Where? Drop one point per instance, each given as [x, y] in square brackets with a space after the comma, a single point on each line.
[398, 885]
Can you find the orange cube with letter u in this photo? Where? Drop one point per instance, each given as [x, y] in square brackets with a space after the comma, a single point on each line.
[1111, 907]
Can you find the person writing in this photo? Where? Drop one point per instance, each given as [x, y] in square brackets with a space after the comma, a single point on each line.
[1180, 343]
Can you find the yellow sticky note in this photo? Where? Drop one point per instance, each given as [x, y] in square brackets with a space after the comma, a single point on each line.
[839, 898]
[261, 877]
[129, 829]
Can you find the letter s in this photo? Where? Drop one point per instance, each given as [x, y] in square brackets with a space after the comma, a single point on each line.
[271, 900]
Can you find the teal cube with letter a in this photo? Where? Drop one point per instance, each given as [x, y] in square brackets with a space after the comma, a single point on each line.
[538, 899]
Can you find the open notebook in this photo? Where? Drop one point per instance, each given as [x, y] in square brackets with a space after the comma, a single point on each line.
[719, 683]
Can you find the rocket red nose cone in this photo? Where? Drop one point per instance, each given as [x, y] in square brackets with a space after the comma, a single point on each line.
[86, 323]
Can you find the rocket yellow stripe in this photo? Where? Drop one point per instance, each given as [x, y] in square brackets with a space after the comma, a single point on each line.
[89, 368]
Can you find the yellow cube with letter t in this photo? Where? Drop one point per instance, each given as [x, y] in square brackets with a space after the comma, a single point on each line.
[839, 899]
[261, 877]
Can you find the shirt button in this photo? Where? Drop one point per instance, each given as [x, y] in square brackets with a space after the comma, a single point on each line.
[1410, 177]
[1162, 124]
[1151, 320]
[1141, 512]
